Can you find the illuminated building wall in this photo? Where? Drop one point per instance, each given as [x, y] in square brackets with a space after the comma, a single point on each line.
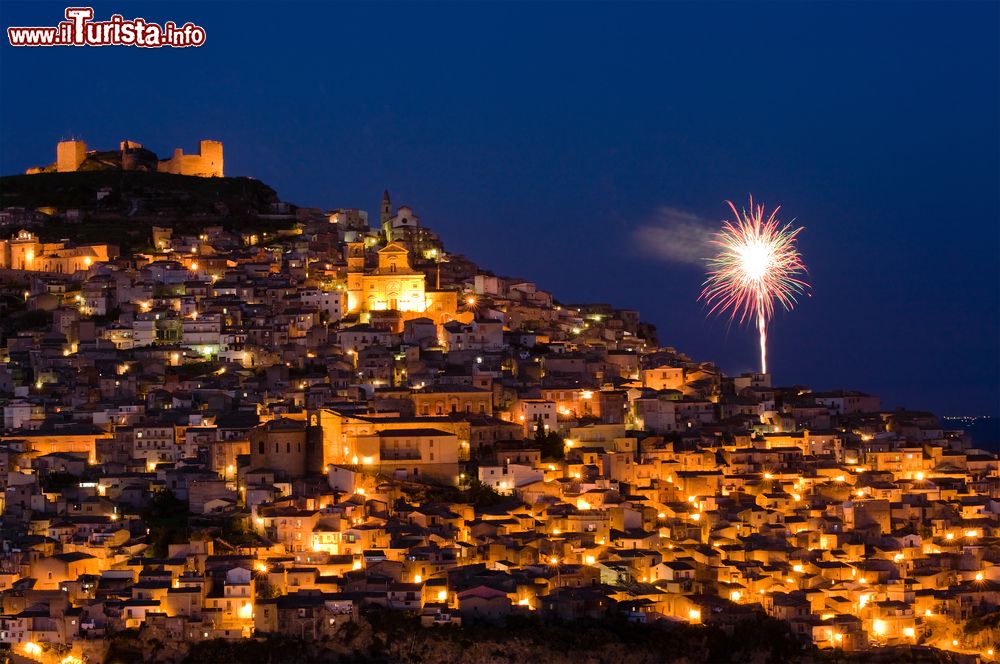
[26, 252]
[393, 285]
[280, 445]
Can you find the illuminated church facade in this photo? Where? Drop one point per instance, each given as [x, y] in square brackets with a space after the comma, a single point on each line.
[392, 285]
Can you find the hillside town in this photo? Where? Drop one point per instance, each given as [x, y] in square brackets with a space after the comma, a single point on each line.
[237, 434]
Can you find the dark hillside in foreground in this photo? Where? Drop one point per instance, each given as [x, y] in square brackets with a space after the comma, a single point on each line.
[122, 206]
[155, 191]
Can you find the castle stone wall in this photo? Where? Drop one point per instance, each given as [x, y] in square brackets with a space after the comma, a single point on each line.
[207, 163]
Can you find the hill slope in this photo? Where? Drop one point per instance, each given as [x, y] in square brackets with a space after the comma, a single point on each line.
[121, 206]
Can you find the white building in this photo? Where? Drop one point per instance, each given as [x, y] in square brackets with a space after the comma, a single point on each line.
[202, 331]
[505, 479]
[331, 303]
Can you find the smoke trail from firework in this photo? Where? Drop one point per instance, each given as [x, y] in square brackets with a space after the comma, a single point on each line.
[757, 265]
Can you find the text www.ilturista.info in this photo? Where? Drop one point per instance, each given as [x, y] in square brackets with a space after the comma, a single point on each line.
[79, 29]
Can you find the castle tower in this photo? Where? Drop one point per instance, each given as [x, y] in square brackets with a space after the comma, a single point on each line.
[206, 164]
[211, 158]
[69, 155]
[129, 159]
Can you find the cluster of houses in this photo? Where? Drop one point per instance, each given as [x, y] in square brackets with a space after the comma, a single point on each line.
[234, 434]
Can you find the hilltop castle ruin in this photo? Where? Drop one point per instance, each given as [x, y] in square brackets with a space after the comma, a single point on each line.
[72, 156]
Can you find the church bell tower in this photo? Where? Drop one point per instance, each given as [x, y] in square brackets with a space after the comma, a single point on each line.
[385, 214]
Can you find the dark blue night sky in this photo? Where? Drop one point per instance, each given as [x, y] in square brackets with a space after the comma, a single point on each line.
[537, 138]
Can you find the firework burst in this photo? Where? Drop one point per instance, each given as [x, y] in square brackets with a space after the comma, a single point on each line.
[757, 266]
